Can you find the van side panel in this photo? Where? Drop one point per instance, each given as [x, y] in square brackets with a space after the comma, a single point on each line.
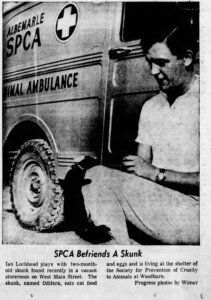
[62, 83]
[69, 108]
[38, 44]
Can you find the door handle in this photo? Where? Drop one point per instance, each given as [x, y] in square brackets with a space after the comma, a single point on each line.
[119, 52]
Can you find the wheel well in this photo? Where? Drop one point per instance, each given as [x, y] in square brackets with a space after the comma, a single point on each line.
[21, 133]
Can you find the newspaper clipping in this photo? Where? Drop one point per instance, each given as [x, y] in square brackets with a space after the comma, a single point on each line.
[105, 150]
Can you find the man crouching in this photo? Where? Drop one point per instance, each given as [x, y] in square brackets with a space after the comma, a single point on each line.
[158, 193]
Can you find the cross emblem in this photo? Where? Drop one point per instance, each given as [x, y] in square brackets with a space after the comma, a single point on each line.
[66, 22]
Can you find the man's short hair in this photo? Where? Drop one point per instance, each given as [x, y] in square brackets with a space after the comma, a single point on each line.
[179, 39]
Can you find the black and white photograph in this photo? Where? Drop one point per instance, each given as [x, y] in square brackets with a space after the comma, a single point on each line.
[101, 137]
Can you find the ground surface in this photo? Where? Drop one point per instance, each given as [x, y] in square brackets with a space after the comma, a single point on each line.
[14, 233]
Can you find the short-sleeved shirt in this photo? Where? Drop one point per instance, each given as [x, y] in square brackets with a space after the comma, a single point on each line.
[172, 131]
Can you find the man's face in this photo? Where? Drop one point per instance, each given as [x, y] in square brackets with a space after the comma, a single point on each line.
[168, 70]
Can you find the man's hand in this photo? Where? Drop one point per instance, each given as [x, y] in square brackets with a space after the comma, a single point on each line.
[137, 165]
[181, 181]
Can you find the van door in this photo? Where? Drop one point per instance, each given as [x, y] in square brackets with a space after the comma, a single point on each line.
[129, 85]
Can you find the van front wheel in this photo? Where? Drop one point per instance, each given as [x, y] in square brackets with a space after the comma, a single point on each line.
[36, 195]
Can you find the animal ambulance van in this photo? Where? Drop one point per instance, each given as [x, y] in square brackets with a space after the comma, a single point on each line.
[74, 81]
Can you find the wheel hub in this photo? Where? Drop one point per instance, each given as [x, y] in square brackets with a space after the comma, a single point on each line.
[35, 185]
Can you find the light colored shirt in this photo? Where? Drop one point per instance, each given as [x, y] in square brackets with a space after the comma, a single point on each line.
[172, 131]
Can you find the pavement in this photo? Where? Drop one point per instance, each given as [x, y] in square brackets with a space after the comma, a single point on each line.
[14, 233]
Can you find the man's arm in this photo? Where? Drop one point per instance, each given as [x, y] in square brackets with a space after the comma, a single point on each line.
[145, 152]
[180, 178]
[141, 166]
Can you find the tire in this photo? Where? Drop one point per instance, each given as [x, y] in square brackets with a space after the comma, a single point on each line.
[36, 195]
